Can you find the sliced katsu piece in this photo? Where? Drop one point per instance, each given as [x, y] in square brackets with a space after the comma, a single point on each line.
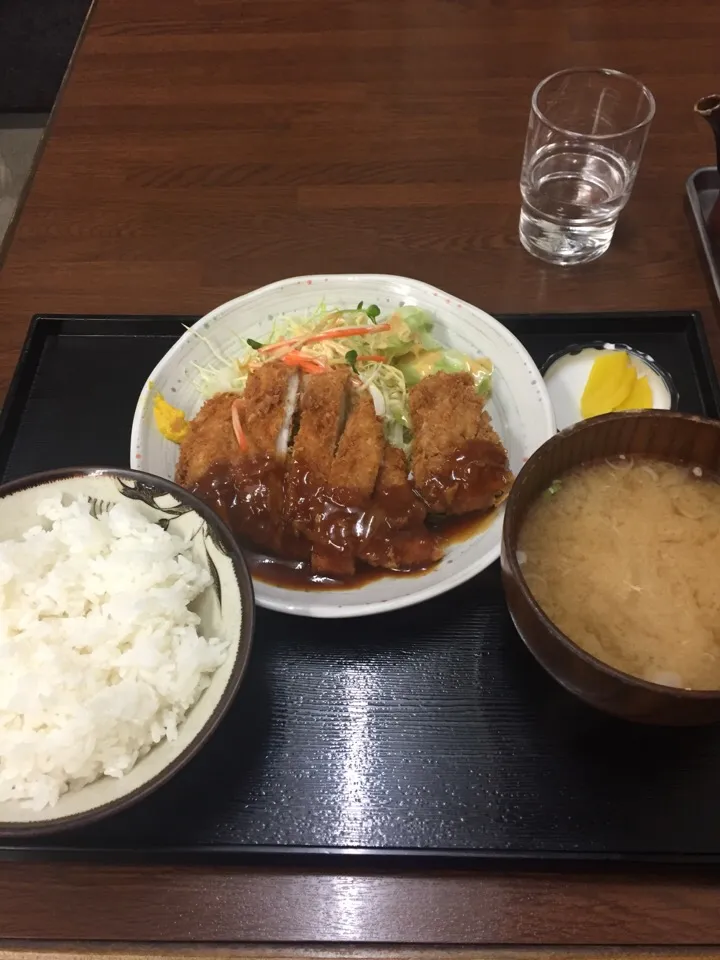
[394, 493]
[360, 450]
[396, 536]
[234, 453]
[351, 482]
[459, 463]
[210, 440]
[322, 415]
[210, 454]
[269, 403]
[265, 416]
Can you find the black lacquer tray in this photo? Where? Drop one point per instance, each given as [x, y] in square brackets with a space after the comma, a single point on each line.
[427, 733]
[702, 188]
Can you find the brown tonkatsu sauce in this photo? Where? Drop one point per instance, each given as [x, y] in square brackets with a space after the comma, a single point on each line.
[249, 498]
[458, 528]
[477, 474]
[299, 575]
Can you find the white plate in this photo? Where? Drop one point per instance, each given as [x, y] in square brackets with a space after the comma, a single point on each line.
[520, 409]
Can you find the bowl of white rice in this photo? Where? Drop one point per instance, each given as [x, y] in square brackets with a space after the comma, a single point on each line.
[126, 617]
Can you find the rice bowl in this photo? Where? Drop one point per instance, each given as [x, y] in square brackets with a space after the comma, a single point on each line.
[126, 623]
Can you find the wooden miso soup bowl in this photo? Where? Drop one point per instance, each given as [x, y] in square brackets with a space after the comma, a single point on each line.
[651, 433]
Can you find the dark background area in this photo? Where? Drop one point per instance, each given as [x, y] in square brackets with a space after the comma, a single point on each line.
[37, 38]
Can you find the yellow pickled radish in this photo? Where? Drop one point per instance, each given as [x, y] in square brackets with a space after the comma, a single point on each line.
[169, 420]
[611, 381]
[640, 397]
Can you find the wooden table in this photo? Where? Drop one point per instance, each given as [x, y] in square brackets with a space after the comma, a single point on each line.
[204, 147]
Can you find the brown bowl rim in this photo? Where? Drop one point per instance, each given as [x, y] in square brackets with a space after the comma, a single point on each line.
[247, 625]
[510, 555]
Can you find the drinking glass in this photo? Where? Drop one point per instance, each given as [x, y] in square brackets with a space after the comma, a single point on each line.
[584, 142]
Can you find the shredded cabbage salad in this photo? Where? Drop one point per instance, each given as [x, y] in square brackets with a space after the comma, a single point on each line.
[387, 356]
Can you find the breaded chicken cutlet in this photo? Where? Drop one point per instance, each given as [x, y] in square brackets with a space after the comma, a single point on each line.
[254, 470]
[394, 493]
[269, 403]
[459, 463]
[335, 492]
[359, 453]
[322, 416]
[266, 411]
[352, 478]
[210, 440]
[397, 538]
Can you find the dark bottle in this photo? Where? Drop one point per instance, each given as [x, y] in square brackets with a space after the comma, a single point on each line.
[709, 108]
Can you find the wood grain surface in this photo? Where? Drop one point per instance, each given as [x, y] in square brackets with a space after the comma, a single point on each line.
[89, 902]
[204, 147]
[337, 952]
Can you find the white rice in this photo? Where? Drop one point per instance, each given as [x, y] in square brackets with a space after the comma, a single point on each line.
[100, 657]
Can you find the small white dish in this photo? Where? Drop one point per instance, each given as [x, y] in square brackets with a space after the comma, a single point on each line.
[520, 409]
[566, 374]
[226, 610]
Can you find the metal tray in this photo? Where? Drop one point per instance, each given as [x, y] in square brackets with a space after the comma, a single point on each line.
[429, 733]
[703, 188]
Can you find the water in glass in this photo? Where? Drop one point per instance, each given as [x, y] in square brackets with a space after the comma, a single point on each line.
[572, 195]
[585, 138]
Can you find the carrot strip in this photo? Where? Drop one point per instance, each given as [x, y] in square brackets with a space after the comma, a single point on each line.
[308, 364]
[237, 426]
[272, 347]
[338, 332]
[335, 333]
[374, 357]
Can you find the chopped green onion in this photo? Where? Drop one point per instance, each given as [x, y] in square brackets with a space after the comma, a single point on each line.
[255, 344]
[553, 488]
